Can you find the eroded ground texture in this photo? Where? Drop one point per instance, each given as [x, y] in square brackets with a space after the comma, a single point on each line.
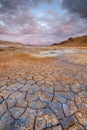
[43, 90]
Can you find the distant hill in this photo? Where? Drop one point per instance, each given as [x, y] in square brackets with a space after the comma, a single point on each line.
[10, 44]
[71, 42]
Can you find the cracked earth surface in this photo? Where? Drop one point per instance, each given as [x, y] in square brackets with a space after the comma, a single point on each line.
[47, 93]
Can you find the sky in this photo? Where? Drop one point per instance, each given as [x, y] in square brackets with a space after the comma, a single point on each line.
[42, 22]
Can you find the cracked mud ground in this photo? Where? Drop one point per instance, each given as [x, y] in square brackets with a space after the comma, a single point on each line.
[43, 93]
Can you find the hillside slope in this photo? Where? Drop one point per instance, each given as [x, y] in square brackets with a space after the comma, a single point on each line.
[74, 42]
[10, 44]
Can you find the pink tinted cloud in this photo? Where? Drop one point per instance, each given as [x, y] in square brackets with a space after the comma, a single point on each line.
[22, 24]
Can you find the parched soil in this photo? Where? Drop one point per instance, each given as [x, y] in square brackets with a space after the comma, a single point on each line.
[43, 88]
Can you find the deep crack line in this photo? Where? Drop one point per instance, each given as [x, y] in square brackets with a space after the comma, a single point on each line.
[34, 122]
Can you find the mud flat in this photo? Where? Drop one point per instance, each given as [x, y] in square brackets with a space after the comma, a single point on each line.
[57, 52]
[43, 90]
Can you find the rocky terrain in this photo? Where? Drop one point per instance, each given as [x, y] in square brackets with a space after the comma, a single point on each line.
[43, 88]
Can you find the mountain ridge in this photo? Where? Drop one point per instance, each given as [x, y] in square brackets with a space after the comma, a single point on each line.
[71, 42]
[10, 44]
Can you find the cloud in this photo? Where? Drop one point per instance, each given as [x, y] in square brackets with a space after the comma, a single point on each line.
[11, 5]
[39, 21]
[79, 7]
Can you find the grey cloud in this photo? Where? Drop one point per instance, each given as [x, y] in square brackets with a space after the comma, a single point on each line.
[19, 23]
[77, 6]
[11, 5]
[42, 30]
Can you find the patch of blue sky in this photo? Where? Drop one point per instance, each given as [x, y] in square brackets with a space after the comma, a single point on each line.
[44, 8]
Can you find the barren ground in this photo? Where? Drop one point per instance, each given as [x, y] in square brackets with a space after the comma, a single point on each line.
[43, 88]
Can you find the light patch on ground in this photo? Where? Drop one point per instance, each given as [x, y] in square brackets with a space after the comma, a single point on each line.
[53, 53]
